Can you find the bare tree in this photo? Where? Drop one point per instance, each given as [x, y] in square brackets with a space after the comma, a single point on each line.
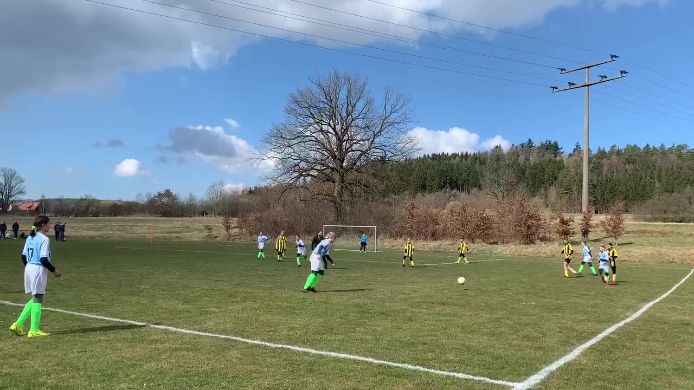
[564, 226]
[614, 223]
[335, 135]
[587, 223]
[11, 187]
[215, 195]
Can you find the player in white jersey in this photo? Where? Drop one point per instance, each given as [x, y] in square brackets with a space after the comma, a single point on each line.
[261, 245]
[300, 250]
[604, 265]
[36, 257]
[320, 254]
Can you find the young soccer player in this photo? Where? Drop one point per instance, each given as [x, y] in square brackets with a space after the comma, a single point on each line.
[587, 259]
[612, 251]
[567, 251]
[363, 240]
[318, 264]
[604, 265]
[300, 250]
[36, 257]
[409, 252]
[281, 246]
[462, 250]
[261, 245]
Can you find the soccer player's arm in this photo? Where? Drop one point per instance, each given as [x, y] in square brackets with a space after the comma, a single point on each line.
[24, 254]
[45, 255]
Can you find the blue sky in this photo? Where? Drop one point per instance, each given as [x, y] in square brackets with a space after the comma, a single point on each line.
[111, 103]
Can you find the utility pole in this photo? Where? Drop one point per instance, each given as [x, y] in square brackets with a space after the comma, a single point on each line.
[586, 125]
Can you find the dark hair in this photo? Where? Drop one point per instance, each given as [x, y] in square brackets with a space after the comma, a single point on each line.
[39, 222]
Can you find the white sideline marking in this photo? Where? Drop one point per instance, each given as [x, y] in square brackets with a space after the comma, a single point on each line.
[336, 355]
[545, 372]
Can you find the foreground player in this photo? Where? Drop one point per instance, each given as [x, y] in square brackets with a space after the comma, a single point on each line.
[281, 246]
[261, 245]
[300, 250]
[409, 252]
[36, 257]
[462, 250]
[604, 265]
[567, 251]
[587, 259]
[318, 264]
[612, 251]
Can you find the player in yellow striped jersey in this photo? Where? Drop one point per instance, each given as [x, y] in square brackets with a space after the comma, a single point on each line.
[612, 251]
[409, 253]
[567, 251]
[462, 250]
[281, 246]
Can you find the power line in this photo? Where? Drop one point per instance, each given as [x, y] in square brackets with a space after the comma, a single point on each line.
[333, 24]
[398, 52]
[641, 114]
[428, 31]
[491, 77]
[643, 106]
[642, 94]
[661, 74]
[499, 30]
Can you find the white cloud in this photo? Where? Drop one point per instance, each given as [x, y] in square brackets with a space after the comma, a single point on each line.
[129, 168]
[454, 140]
[69, 170]
[212, 145]
[234, 188]
[232, 123]
[92, 44]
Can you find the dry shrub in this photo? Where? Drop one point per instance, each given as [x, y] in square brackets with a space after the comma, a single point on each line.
[563, 226]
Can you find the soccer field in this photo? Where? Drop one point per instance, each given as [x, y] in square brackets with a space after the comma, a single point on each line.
[191, 314]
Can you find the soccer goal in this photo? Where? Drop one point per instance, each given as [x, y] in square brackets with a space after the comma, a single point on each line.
[348, 236]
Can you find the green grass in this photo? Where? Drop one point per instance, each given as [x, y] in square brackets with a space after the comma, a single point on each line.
[513, 317]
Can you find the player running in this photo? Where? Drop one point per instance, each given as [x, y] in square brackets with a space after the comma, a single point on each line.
[318, 264]
[36, 257]
[300, 250]
[612, 251]
[462, 250]
[604, 265]
[281, 246]
[409, 252]
[567, 251]
[261, 245]
[587, 259]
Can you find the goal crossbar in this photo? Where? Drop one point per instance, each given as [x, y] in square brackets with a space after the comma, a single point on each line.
[375, 230]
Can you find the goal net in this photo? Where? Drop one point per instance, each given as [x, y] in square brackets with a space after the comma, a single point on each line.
[349, 237]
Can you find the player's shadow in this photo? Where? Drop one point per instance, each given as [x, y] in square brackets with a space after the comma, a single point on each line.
[347, 290]
[97, 329]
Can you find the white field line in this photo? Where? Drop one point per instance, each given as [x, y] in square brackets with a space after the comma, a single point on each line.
[545, 372]
[294, 348]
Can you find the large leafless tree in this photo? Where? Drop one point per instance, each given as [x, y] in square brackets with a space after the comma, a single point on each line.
[11, 187]
[333, 135]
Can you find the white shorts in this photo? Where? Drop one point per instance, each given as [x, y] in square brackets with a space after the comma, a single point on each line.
[587, 259]
[261, 246]
[35, 279]
[605, 267]
[317, 264]
[300, 251]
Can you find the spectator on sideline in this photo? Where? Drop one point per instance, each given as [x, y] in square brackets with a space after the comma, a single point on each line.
[3, 229]
[62, 231]
[15, 229]
[56, 229]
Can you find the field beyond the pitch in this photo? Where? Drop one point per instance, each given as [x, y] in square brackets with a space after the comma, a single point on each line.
[513, 317]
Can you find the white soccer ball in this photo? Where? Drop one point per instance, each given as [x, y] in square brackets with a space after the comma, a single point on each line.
[461, 280]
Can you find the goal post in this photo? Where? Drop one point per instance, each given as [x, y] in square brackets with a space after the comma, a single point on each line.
[348, 236]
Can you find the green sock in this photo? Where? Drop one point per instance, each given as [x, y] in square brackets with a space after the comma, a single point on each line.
[580, 269]
[298, 260]
[25, 312]
[259, 253]
[263, 255]
[316, 280]
[35, 316]
[309, 281]
[592, 269]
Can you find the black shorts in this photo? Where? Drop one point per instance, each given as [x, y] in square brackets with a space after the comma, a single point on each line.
[461, 254]
[567, 261]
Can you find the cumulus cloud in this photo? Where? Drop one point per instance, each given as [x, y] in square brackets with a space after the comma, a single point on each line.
[89, 44]
[454, 140]
[232, 123]
[213, 146]
[129, 168]
[111, 143]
